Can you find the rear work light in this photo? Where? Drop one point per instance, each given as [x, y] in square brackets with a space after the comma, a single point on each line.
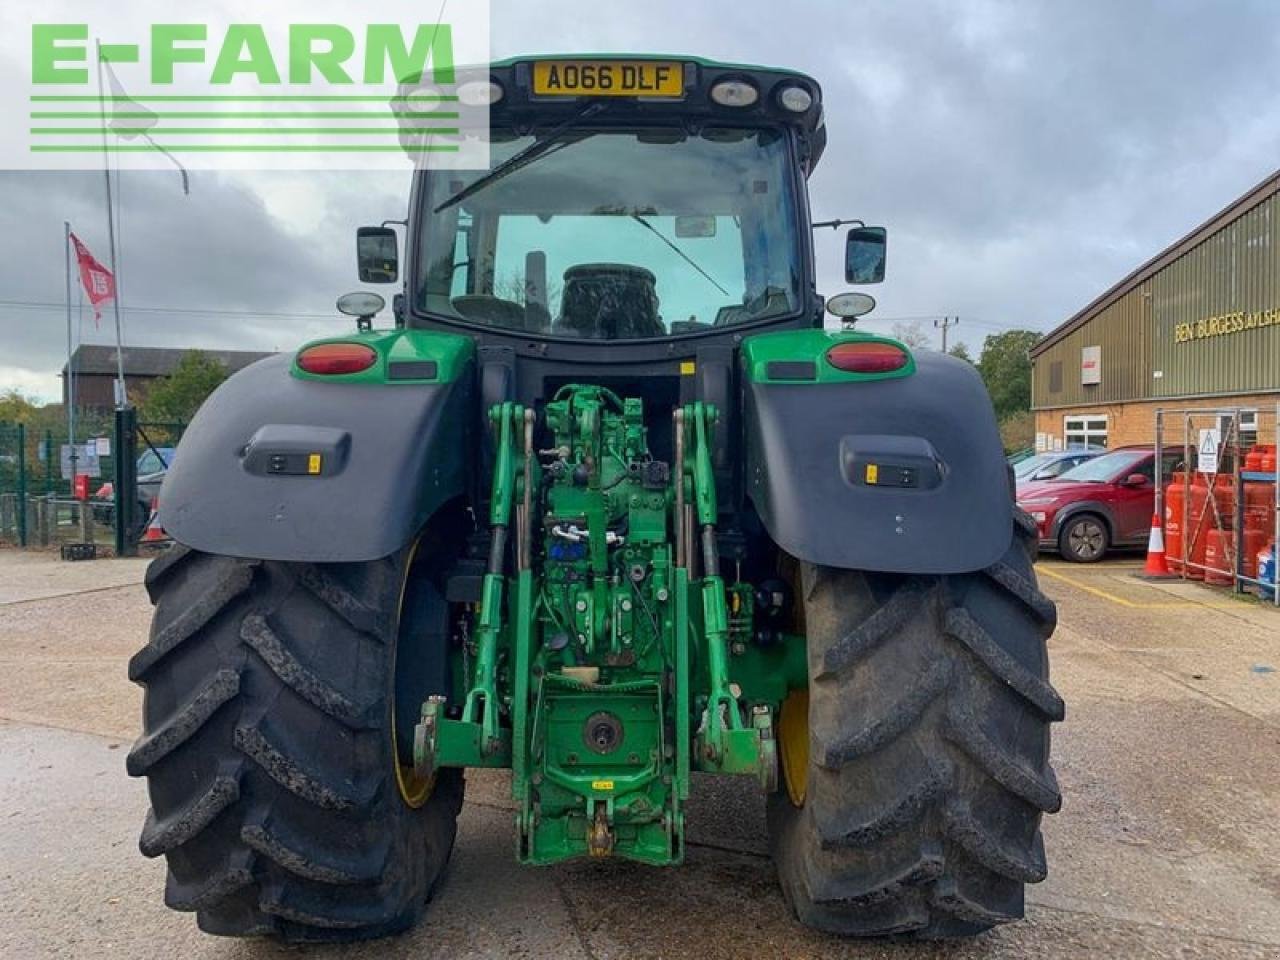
[333, 358]
[734, 93]
[871, 356]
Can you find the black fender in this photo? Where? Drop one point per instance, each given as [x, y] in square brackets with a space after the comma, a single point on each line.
[940, 503]
[390, 455]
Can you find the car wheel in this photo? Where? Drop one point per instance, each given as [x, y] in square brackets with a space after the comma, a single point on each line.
[1084, 539]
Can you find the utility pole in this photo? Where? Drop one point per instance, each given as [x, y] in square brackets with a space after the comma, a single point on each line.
[943, 323]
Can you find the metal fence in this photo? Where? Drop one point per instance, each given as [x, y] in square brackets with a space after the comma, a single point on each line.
[1221, 506]
[38, 502]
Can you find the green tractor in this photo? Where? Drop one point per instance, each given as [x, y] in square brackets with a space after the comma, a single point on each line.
[606, 505]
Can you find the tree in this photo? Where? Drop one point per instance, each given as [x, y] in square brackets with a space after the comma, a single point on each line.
[175, 398]
[961, 352]
[514, 288]
[16, 408]
[1018, 431]
[911, 333]
[1005, 367]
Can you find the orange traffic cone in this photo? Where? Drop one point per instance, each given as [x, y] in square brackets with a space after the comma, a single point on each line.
[1156, 567]
[154, 531]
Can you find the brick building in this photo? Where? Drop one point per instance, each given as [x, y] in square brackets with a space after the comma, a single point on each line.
[1198, 325]
[95, 371]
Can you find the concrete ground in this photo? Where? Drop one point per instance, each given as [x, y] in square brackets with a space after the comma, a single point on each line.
[1167, 845]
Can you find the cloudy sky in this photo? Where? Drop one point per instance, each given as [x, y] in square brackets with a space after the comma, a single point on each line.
[1024, 156]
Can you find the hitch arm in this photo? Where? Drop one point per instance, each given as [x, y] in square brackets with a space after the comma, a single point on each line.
[725, 744]
[481, 705]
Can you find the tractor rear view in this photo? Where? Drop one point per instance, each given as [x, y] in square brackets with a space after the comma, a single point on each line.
[606, 505]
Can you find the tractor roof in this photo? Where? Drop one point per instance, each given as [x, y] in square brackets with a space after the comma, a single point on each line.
[651, 57]
[651, 87]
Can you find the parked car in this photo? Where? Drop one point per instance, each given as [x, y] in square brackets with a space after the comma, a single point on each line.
[1104, 503]
[153, 464]
[1046, 466]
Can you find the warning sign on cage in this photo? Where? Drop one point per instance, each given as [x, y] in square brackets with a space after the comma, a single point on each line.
[1207, 452]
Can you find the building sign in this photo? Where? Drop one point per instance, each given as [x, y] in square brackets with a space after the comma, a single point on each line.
[1090, 365]
[1225, 324]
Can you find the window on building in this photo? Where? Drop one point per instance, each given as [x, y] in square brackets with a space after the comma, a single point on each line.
[1248, 428]
[1247, 423]
[1055, 376]
[1085, 432]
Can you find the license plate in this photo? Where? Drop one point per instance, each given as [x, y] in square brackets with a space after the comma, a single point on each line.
[608, 78]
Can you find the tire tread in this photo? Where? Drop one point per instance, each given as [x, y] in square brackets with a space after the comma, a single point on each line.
[268, 763]
[930, 705]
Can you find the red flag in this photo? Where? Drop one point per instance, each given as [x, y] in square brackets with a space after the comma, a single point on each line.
[98, 281]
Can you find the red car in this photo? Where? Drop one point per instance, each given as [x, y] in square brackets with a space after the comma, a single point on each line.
[1103, 503]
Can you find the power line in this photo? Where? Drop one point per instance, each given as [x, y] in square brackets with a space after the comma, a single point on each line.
[933, 317]
[212, 311]
[285, 315]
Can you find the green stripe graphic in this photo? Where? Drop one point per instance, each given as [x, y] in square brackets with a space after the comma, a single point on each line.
[239, 115]
[244, 148]
[242, 131]
[214, 98]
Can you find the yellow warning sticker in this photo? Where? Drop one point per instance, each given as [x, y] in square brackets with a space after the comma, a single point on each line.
[603, 786]
[688, 368]
[873, 473]
[313, 463]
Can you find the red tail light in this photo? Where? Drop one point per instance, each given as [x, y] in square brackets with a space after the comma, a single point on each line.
[331, 358]
[870, 356]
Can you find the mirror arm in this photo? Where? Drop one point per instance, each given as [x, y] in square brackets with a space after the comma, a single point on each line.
[835, 224]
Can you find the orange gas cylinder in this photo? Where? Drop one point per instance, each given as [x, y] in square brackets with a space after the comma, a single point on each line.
[1259, 505]
[1253, 459]
[1254, 542]
[1224, 494]
[1219, 545]
[1269, 459]
[1199, 523]
[1175, 498]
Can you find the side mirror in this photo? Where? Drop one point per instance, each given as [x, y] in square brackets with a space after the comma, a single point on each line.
[864, 254]
[1135, 480]
[377, 255]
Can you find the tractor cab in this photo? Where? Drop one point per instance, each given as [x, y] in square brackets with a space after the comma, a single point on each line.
[658, 203]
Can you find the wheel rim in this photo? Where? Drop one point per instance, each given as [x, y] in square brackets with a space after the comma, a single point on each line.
[793, 744]
[1087, 539]
[415, 789]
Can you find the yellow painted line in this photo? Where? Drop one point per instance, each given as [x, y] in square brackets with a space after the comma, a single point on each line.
[1094, 569]
[1133, 604]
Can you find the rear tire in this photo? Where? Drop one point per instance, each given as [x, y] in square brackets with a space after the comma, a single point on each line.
[928, 750]
[268, 746]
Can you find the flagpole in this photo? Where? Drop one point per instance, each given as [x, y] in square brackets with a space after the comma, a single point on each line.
[71, 373]
[122, 399]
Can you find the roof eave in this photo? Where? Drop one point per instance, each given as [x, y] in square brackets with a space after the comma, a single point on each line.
[1177, 249]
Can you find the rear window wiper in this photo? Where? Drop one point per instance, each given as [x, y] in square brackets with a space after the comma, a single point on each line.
[545, 143]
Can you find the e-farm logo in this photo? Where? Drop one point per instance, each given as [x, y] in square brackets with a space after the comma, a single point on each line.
[283, 92]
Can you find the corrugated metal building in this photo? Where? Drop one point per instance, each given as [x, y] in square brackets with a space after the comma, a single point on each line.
[1197, 324]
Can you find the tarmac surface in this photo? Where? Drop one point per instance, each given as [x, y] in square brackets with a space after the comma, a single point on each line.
[1168, 844]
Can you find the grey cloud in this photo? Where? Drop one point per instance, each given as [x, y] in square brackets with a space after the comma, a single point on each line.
[1024, 155]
